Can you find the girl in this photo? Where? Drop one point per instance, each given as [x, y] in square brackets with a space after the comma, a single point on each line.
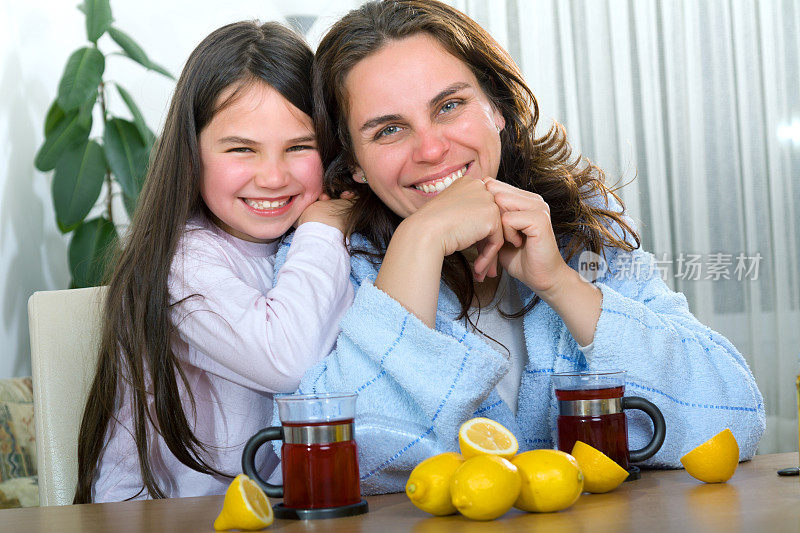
[198, 333]
[421, 112]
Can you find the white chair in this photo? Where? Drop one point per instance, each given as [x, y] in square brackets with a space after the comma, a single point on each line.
[65, 337]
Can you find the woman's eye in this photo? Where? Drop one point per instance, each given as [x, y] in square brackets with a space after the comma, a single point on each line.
[388, 130]
[449, 106]
[241, 149]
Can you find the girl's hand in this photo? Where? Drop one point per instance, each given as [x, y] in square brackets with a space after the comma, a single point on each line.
[462, 216]
[328, 211]
[531, 253]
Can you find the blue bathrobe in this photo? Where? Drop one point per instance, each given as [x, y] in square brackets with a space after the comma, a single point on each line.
[417, 385]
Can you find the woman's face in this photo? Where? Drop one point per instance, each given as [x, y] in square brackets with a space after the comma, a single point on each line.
[261, 167]
[418, 121]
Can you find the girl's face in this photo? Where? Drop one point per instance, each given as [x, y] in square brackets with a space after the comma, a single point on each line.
[261, 167]
[418, 121]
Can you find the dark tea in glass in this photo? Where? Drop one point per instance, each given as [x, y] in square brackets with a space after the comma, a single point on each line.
[590, 410]
[608, 433]
[320, 475]
[319, 459]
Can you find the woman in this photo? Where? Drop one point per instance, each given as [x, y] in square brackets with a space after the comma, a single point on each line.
[422, 113]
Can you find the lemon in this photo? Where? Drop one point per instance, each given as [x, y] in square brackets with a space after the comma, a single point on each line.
[246, 507]
[479, 436]
[715, 460]
[428, 486]
[551, 480]
[600, 472]
[485, 487]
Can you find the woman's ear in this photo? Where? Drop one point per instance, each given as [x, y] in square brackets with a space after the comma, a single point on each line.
[499, 119]
[359, 176]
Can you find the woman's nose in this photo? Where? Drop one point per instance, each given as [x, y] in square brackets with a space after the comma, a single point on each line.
[431, 145]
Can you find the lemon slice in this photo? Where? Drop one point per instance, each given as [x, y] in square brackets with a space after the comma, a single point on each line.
[715, 460]
[479, 436]
[246, 507]
[600, 472]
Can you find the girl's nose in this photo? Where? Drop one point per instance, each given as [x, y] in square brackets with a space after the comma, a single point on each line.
[431, 146]
[271, 175]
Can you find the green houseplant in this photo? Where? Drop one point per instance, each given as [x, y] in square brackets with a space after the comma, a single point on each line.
[84, 165]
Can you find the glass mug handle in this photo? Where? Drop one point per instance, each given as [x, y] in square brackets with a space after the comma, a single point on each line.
[659, 427]
[249, 459]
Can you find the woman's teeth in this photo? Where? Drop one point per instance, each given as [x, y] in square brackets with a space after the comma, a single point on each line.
[442, 183]
[266, 204]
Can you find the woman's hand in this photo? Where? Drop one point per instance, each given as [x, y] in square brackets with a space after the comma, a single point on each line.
[531, 255]
[464, 215]
[461, 216]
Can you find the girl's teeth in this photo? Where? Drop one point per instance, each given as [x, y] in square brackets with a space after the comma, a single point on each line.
[266, 204]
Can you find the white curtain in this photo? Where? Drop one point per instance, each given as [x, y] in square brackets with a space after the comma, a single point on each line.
[699, 101]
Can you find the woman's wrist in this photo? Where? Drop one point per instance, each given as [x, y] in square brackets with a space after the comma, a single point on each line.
[578, 303]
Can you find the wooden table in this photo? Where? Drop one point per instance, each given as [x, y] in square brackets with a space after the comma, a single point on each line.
[756, 499]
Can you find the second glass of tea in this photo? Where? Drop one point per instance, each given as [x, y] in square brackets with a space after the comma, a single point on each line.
[590, 409]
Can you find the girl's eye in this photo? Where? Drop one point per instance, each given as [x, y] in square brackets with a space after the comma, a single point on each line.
[241, 149]
[388, 130]
[299, 147]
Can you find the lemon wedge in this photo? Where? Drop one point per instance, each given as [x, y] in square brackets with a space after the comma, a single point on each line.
[715, 460]
[246, 507]
[600, 472]
[479, 436]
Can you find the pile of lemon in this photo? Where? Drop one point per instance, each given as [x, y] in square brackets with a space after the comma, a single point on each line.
[489, 477]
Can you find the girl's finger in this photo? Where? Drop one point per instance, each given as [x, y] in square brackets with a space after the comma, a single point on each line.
[348, 195]
[324, 196]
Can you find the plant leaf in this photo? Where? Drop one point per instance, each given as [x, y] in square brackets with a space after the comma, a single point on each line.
[126, 155]
[77, 183]
[54, 115]
[92, 246]
[71, 130]
[135, 52]
[98, 18]
[147, 136]
[82, 75]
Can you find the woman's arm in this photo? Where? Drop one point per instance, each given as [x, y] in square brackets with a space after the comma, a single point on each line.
[462, 216]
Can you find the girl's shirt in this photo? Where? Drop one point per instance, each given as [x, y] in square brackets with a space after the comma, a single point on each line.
[416, 385]
[242, 335]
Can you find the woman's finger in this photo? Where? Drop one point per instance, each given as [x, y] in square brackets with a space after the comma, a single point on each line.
[486, 262]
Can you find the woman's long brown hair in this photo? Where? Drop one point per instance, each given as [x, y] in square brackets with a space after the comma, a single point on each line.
[136, 362]
[573, 187]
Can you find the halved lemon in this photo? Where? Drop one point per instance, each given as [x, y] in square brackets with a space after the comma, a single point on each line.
[246, 507]
[479, 436]
[600, 472]
[715, 460]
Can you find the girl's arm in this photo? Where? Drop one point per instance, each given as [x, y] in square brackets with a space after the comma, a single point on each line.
[233, 324]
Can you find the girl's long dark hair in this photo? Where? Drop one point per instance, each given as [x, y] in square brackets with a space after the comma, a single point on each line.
[573, 187]
[136, 362]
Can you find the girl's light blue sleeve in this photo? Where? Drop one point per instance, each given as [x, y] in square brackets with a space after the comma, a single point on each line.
[701, 383]
[415, 385]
